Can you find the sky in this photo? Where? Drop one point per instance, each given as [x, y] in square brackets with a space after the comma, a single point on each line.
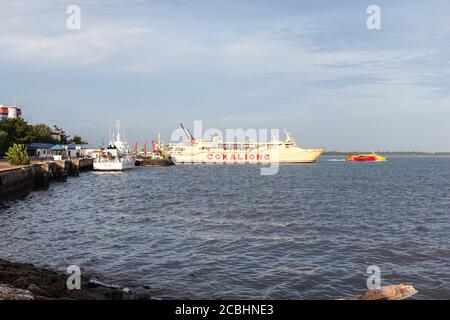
[312, 67]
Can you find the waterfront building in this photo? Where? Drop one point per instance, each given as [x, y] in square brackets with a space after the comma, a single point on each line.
[10, 112]
[47, 150]
[58, 152]
[40, 150]
[89, 151]
[81, 150]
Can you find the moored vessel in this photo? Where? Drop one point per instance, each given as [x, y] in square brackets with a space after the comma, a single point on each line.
[217, 151]
[152, 162]
[116, 157]
[155, 158]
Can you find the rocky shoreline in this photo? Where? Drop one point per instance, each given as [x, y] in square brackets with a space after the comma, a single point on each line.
[20, 281]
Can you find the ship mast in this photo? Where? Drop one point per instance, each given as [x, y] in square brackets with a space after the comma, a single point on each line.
[118, 130]
[288, 137]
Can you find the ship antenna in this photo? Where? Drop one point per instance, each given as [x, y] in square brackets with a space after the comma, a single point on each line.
[287, 134]
[288, 137]
[118, 130]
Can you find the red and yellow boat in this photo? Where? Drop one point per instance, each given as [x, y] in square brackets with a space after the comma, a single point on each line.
[367, 157]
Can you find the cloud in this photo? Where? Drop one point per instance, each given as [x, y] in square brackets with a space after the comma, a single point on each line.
[73, 48]
[307, 61]
[148, 48]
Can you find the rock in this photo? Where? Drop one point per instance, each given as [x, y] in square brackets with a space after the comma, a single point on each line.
[393, 292]
[36, 290]
[40, 284]
[21, 282]
[8, 292]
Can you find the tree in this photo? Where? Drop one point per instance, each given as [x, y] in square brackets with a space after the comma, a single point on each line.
[3, 141]
[42, 133]
[17, 154]
[18, 130]
[78, 140]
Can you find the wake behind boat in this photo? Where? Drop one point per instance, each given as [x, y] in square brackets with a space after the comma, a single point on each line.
[116, 157]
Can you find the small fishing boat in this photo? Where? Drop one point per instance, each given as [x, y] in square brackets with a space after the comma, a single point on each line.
[367, 157]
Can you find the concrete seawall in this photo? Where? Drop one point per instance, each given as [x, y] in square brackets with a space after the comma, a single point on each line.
[18, 178]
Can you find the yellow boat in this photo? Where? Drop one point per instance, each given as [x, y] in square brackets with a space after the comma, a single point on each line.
[367, 157]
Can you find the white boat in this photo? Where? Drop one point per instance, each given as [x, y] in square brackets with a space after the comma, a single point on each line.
[217, 151]
[117, 157]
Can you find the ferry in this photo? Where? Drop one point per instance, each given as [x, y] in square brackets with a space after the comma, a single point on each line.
[216, 151]
[116, 157]
[367, 157]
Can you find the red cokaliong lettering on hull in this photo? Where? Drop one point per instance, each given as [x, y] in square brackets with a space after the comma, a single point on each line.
[238, 157]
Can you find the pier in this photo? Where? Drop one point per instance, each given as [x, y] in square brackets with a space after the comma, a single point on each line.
[39, 173]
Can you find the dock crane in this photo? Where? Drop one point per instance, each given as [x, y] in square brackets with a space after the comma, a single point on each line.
[189, 136]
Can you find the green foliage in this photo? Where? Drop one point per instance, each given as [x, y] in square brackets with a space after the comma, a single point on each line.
[78, 140]
[42, 133]
[3, 141]
[17, 154]
[20, 132]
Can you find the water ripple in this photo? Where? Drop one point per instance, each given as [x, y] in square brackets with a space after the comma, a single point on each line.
[227, 232]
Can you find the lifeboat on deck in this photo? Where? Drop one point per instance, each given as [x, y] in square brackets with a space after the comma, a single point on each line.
[369, 157]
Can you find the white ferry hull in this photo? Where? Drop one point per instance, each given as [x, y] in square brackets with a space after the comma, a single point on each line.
[217, 151]
[292, 155]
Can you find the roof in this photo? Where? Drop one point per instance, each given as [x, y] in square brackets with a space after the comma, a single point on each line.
[90, 146]
[57, 147]
[37, 145]
[9, 107]
[73, 146]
